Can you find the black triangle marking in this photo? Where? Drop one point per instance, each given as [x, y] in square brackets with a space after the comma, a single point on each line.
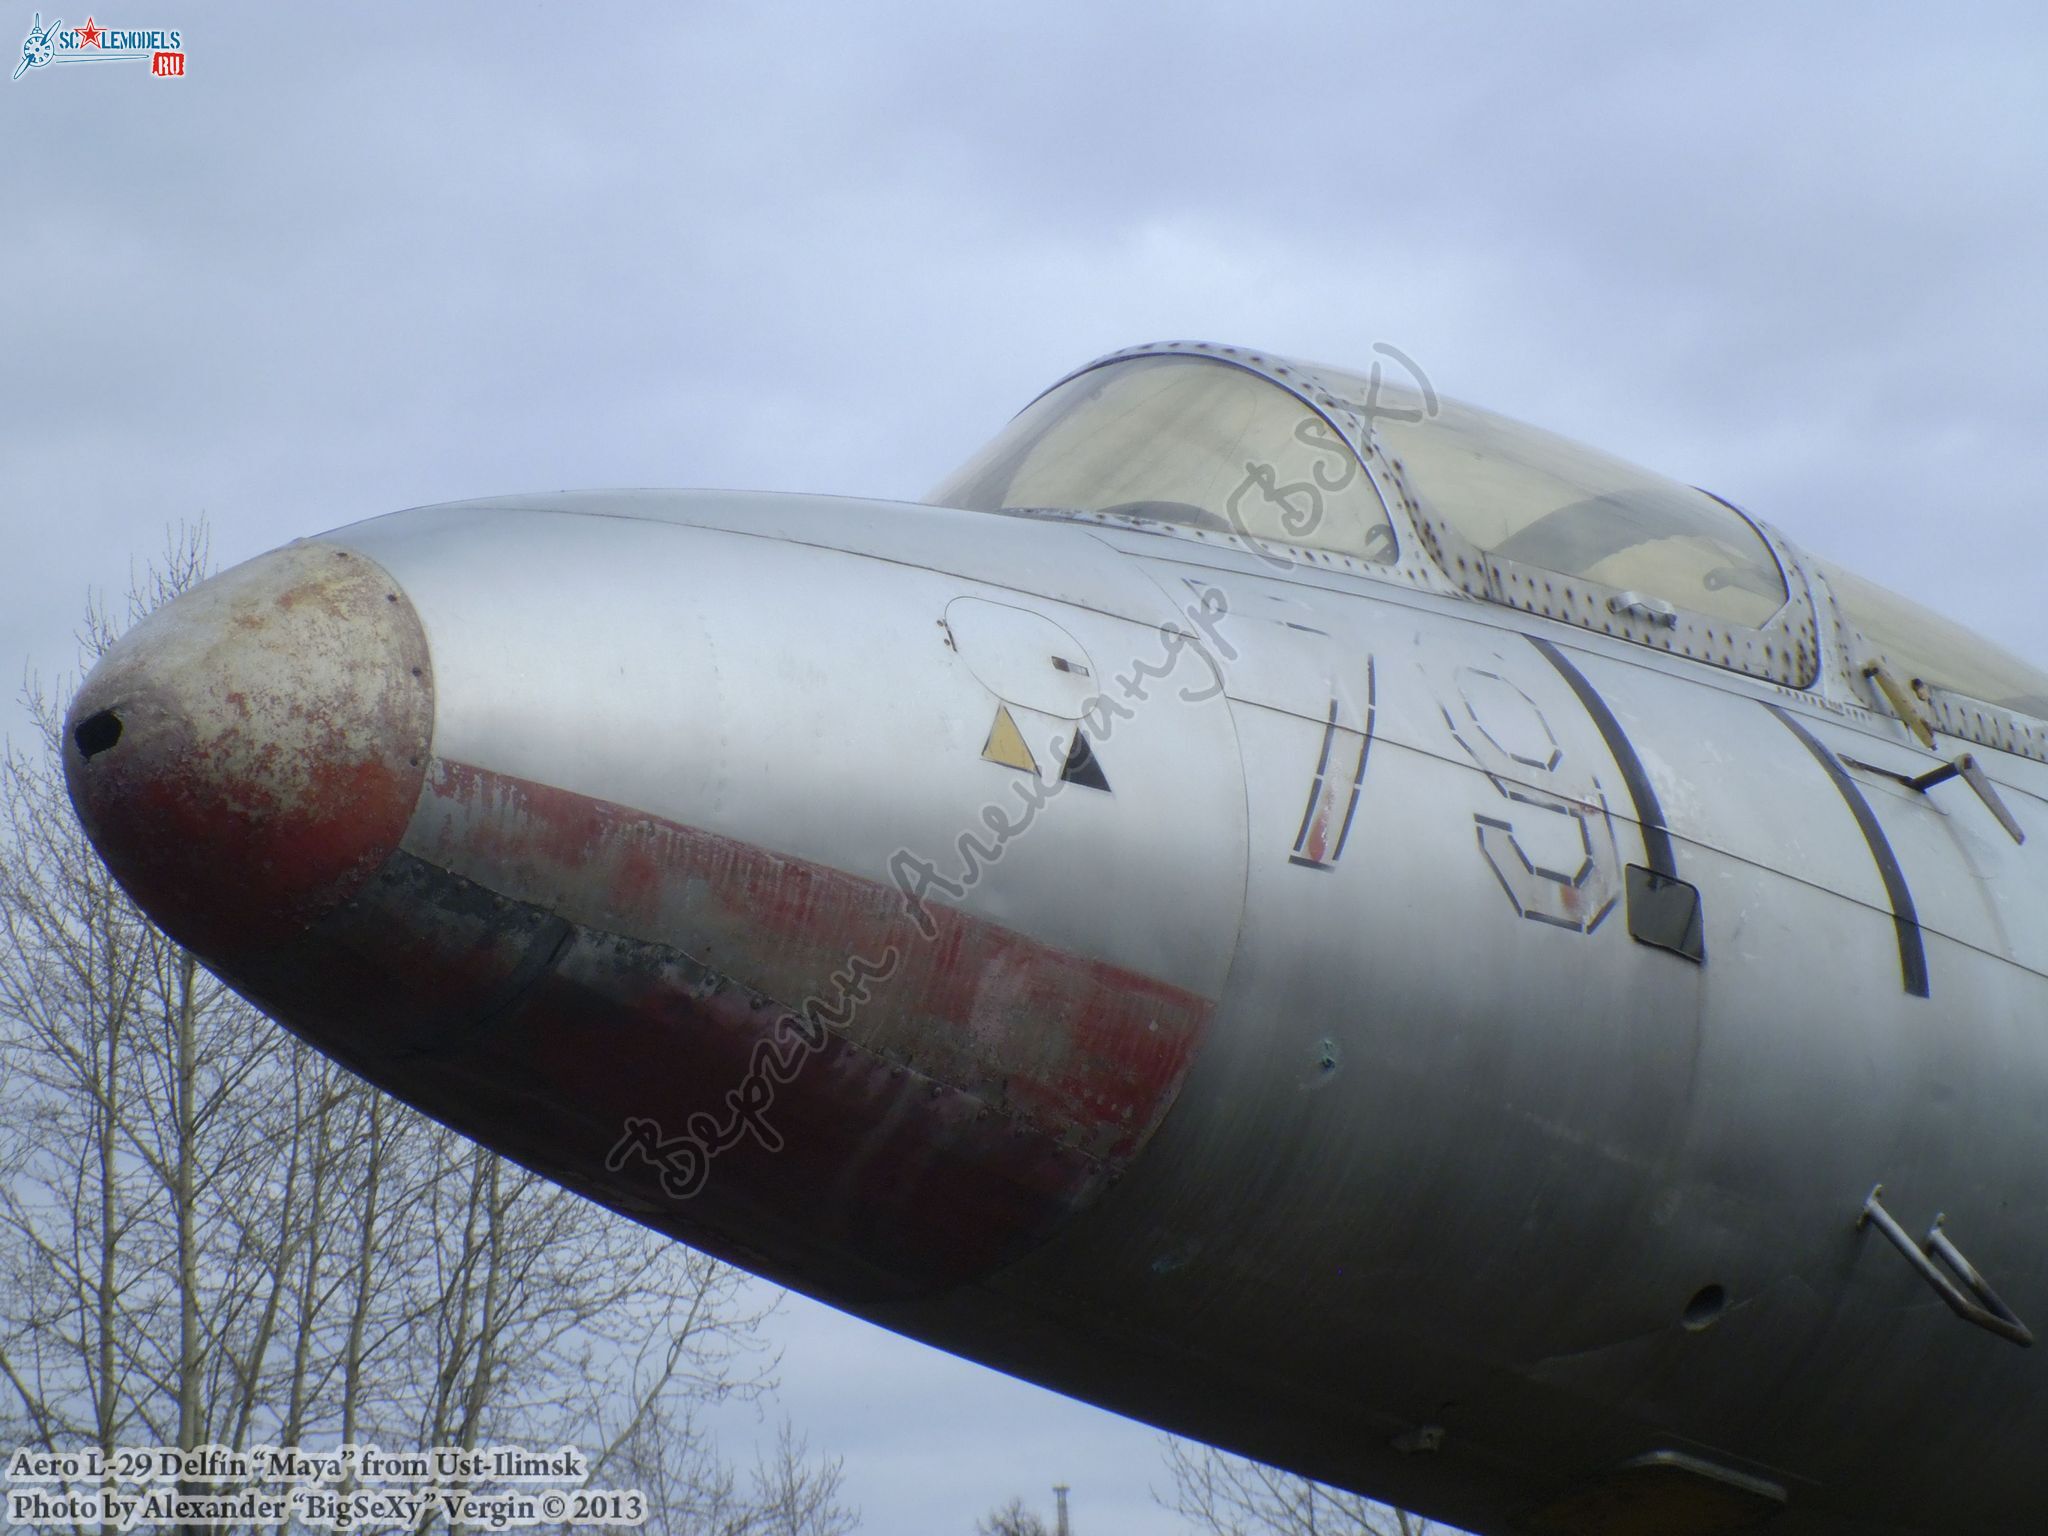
[1081, 767]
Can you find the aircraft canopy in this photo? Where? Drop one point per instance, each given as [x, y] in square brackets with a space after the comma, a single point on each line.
[1195, 440]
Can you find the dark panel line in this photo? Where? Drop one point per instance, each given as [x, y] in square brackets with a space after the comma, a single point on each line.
[1372, 705]
[544, 951]
[1315, 789]
[1912, 949]
[1649, 809]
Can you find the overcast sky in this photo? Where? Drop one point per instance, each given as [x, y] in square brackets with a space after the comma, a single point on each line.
[368, 257]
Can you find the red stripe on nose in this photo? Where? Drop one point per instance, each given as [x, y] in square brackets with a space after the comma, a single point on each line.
[619, 1000]
[1081, 1045]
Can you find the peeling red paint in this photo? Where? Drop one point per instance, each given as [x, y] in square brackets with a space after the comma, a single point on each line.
[274, 728]
[1086, 1048]
[990, 1088]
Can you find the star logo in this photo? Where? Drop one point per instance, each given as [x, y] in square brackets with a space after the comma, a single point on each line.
[89, 34]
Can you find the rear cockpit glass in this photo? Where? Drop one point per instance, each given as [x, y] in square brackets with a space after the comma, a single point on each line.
[1523, 495]
[1926, 651]
[1182, 440]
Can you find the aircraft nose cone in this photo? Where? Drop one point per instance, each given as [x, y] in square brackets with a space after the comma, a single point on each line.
[249, 754]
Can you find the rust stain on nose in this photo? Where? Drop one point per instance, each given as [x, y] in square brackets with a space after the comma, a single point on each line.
[248, 755]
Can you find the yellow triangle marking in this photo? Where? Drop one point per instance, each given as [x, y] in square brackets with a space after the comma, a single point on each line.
[1006, 743]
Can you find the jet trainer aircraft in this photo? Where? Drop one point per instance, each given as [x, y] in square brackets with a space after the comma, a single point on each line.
[1300, 911]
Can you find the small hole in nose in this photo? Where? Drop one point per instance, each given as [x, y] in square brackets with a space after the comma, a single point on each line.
[1705, 1308]
[97, 733]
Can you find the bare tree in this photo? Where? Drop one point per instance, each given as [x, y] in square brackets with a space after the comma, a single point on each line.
[96, 1343]
[797, 1495]
[209, 1233]
[1225, 1495]
[1011, 1519]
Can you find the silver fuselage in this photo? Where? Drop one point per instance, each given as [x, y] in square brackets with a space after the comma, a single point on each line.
[1300, 1086]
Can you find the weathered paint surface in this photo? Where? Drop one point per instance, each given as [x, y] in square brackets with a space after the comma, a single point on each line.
[545, 970]
[542, 970]
[273, 731]
[1087, 1051]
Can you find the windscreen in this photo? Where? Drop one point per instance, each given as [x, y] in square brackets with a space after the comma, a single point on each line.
[1185, 440]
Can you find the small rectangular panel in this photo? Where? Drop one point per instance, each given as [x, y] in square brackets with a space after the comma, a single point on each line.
[1664, 911]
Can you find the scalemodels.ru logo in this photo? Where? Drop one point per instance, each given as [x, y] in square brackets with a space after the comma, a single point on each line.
[162, 50]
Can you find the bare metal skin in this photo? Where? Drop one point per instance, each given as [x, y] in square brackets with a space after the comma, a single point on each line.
[1439, 1028]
